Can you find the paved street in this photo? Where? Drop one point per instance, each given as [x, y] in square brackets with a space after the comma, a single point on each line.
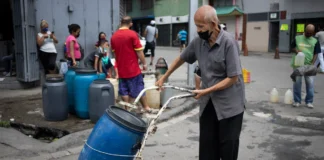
[261, 138]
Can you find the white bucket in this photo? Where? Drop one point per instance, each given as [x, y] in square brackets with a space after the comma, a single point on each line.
[114, 82]
[152, 96]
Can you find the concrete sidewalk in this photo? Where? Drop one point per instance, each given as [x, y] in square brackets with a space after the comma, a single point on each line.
[268, 73]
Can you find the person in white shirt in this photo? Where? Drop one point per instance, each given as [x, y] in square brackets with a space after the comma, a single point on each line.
[46, 41]
[319, 60]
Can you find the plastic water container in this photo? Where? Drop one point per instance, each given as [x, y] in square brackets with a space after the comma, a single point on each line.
[115, 83]
[300, 59]
[152, 96]
[274, 96]
[82, 81]
[69, 80]
[55, 99]
[116, 136]
[101, 95]
[288, 97]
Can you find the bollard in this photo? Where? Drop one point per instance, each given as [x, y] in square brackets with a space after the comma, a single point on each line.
[246, 51]
[277, 54]
[161, 67]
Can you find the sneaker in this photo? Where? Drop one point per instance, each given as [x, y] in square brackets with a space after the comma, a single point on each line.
[310, 105]
[296, 104]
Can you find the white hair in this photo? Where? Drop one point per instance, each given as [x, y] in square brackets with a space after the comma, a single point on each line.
[211, 15]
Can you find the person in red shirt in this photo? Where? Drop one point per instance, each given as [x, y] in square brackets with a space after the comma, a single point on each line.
[127, 48]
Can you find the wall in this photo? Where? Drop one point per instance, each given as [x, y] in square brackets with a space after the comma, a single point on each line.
[171, 7]
[137, 12]
[93, 16]
[257, 39]
[301, 6]
[256, 6]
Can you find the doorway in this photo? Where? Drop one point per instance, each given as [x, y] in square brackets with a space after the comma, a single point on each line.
[274, 36]
[6, 32]
[176, 28]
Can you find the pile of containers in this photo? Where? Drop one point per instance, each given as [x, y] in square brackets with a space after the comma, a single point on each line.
[246, 75]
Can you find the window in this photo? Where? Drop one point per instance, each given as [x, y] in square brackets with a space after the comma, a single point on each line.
[223, 3]
[129, 5]
[146, 4]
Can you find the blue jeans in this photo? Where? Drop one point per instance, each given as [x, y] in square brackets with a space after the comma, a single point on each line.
[309, 81]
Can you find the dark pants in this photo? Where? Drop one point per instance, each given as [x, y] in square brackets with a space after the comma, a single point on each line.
[219, 139]
[48, 60]
[7, 60]
[151, 46]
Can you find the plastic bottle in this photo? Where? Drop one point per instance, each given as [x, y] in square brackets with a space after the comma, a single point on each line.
[288, 97]
[274, 96]
[300, 59]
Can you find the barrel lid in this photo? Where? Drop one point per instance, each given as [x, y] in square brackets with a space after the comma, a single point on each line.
[126, 118]
[63, 60]
[101, 81]
[85, 71]
[73, 68]
[54, 78]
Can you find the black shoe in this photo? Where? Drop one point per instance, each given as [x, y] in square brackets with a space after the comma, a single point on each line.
[151, 64]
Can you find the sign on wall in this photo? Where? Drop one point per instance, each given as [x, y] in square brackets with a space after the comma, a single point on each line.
[284, 27]
[300, 28]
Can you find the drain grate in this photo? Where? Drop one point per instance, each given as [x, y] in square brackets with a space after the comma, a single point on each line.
[44, 134]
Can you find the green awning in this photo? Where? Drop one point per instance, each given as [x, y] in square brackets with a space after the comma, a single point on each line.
[229, 11]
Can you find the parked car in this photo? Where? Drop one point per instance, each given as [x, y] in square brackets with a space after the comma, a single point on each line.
[143, 43]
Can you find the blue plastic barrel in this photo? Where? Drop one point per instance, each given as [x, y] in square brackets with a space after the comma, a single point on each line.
[101, 76]
[116, 136]
[69, 80]
[82, 81]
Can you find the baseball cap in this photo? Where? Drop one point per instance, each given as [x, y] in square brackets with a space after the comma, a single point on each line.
[152, 22]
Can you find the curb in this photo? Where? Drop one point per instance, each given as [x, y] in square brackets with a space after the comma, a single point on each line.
[189, 104]
[313, 123]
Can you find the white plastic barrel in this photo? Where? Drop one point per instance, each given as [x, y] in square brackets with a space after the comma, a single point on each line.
[152, 96]
[114, 82]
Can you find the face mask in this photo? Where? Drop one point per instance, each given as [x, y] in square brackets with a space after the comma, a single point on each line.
[103, 38]
[45, 29]
[77, 36]
[105, 50]
[205, 35]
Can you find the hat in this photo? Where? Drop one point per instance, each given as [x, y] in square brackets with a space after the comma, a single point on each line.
[152, 22]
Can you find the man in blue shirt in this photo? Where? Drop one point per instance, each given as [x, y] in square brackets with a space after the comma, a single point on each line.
[182, 35]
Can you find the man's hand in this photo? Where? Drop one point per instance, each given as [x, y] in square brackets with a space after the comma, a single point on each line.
[144, 67]
[200, 93]
[160, 83]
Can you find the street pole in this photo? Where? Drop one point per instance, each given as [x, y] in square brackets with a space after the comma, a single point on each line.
[193, 6]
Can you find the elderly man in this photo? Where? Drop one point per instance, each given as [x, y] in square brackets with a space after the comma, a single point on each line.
[222, 97]
[310, 47]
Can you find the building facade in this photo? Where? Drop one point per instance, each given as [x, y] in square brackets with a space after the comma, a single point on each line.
[274, 23]
[24, 16]
[142, 12]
